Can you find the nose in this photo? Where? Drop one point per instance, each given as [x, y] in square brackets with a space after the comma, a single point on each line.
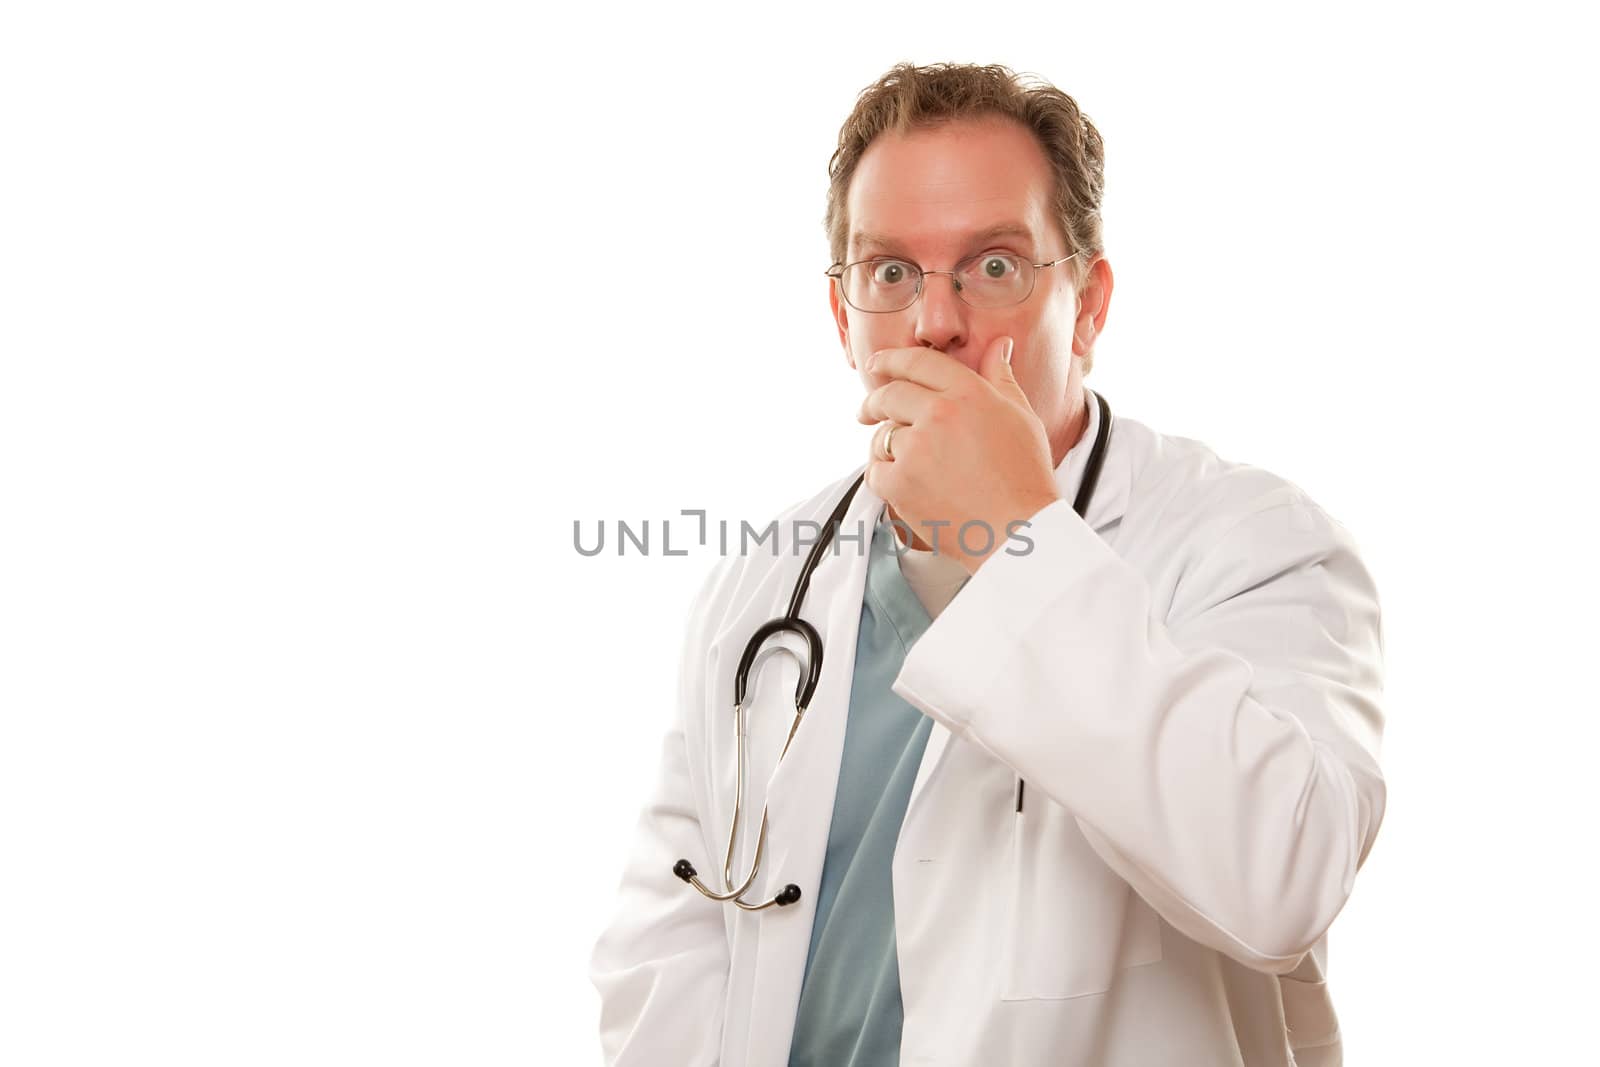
[941, 314]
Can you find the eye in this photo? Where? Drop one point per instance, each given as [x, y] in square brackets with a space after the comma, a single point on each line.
[890, 272]
[997, 267]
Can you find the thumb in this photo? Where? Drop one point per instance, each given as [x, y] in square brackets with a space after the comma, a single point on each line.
[995, 368]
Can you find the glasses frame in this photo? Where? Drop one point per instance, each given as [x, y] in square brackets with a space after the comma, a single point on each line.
[836, 272]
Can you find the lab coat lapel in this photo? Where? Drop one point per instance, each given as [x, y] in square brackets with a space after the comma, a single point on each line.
[800, 791]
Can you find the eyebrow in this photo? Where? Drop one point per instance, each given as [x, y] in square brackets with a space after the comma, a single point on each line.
[865, 241]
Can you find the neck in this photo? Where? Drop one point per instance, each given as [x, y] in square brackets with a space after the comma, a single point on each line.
[901, 531]
[1064, 438]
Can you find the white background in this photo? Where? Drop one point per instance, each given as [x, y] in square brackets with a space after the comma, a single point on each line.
[322, 323]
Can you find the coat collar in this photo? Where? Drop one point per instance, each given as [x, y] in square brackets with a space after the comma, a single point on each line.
[1110, 498]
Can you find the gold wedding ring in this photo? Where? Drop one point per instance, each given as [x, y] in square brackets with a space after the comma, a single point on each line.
[888, 441]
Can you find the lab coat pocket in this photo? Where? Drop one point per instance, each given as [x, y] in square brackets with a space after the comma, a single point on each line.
[1074, 924]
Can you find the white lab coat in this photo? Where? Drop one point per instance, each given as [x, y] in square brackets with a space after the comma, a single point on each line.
[1189, 682]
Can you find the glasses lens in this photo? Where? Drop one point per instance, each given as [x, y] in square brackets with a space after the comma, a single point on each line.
[995, 279]
[880, 284]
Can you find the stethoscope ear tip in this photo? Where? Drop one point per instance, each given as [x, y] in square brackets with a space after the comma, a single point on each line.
[683, 869]
[790, 894]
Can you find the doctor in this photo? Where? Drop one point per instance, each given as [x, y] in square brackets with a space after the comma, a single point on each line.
[1089, 795]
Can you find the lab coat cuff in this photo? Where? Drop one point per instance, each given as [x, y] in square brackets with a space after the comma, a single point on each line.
[948, 671]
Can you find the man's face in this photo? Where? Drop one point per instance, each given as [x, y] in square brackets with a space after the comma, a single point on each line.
[927, 195]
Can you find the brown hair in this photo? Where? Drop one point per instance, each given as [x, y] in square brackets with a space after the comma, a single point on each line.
[910, 97]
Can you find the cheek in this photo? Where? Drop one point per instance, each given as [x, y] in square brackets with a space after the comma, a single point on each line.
[1042, 368]
[1052, 345]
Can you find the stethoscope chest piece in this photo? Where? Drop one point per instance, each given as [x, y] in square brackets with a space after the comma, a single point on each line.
[760, 646]
[763, 645]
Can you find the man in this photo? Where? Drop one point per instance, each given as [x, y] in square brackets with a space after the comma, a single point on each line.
[1089, 795]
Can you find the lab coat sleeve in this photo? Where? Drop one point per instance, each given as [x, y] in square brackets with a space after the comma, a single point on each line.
[661, 965]
[1219, 750]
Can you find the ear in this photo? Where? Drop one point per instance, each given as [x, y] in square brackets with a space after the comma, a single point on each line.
[841, 319]
[1094, 302]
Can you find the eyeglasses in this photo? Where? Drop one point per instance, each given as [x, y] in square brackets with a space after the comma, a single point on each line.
[986, 280]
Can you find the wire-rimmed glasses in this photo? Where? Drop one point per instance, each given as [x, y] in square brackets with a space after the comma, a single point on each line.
[986, 280]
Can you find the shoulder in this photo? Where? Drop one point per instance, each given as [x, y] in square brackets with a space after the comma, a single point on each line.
[1216, 527]
[1183, 485]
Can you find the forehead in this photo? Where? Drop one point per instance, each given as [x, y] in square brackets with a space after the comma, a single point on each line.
[943, 191]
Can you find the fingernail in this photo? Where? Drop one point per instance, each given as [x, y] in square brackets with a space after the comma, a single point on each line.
[1009, 344]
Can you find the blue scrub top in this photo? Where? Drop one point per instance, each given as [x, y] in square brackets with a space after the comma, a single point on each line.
[850, 1013]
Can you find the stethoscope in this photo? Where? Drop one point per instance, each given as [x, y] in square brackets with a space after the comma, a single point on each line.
[791, 622]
